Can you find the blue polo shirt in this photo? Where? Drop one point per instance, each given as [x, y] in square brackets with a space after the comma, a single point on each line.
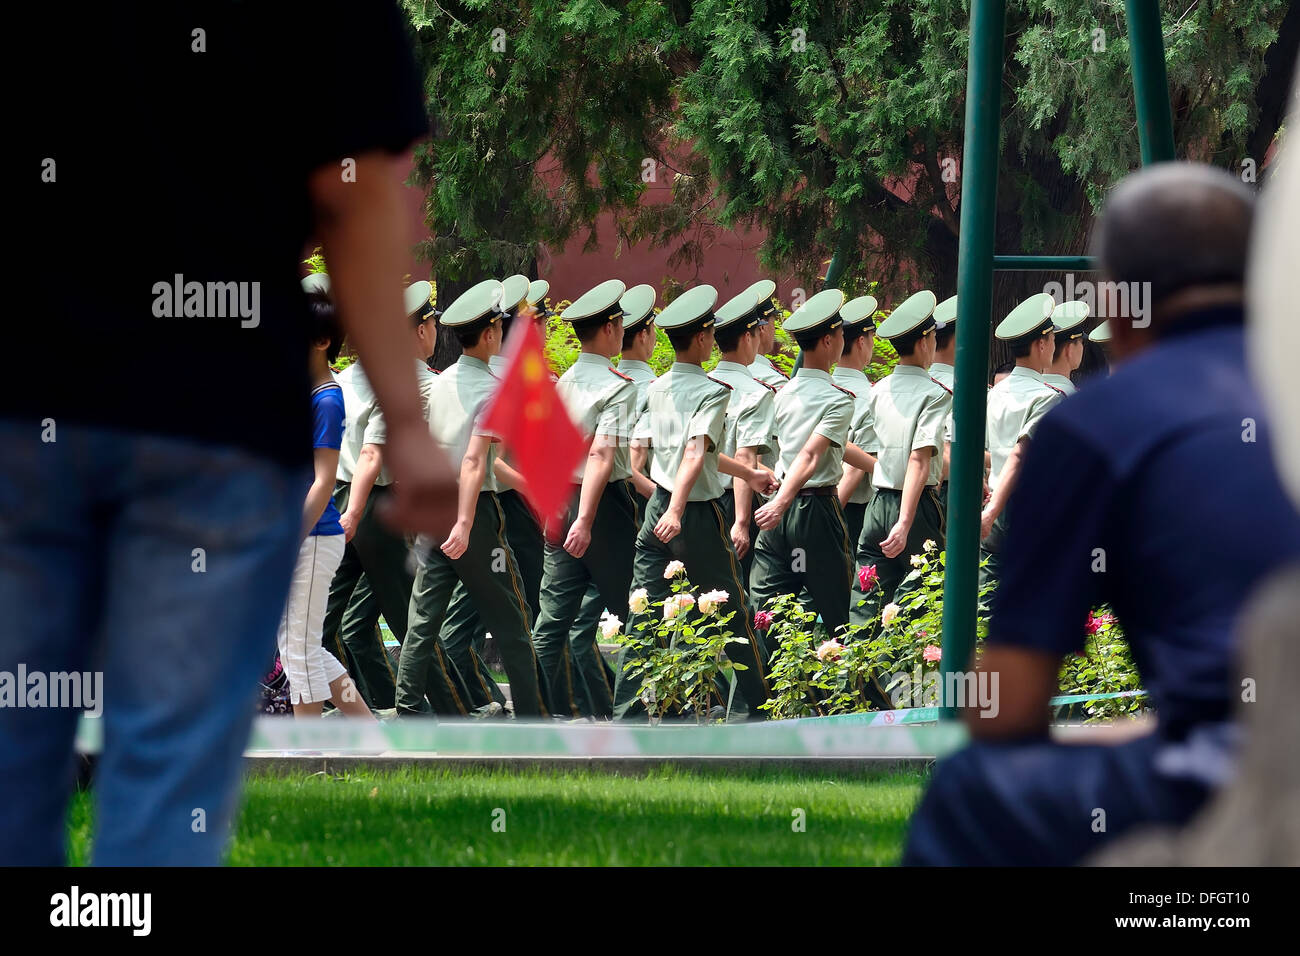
[327, 432]
[1165, 467]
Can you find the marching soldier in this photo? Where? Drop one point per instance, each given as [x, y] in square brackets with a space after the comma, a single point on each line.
[1015, 406]
[805, 541]
[684, 519]
[463, 634]
[600, 523]
[597, 677]
[638, 305]
[850, 373]
[1067, 326]
[762, 366]
[476, 552]
[904, 429]
[373, 550]
[942, 371]
[751, 419]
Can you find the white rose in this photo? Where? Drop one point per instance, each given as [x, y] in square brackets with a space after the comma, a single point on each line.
[889, 613]
[710, 600]
[918, 561]
[674, 568]
[610, 626]
[638, 601]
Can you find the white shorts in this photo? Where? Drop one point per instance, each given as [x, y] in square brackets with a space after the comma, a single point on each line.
[310, 667]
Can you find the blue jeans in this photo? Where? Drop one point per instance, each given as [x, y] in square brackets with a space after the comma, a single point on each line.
[100, 571]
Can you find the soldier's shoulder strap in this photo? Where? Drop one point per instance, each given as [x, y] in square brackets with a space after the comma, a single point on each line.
[626, 378]
[768, 385]
[941, 385]
[844, 390]
[720, 382]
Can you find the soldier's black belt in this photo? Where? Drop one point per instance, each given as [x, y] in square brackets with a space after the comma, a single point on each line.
[822, 491]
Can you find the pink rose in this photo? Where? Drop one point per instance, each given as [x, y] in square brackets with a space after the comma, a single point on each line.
[762, 620]
[830, 650]
[931, 653]
[867, 577]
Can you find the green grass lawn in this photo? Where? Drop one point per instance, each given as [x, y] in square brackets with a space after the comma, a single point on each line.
[670, 817]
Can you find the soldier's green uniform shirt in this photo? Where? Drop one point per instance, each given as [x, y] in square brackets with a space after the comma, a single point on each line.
[641, 375]
[459, 397]
[751, 411]
[907, 411]
[1015, 406]
[813, 404]
[364, 424]
[602, 403]
[1060, 381]
[765, 371]
[856, 381]
[944, 374]
[684, 403]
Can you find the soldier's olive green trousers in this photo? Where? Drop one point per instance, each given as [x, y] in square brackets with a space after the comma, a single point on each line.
[728, 501]
[426, 676]
[351, 621]
[809, 548]
[566, 580]
[991, 556]
[882, 515]
[463, 633]
[855, 513]
[704, 546]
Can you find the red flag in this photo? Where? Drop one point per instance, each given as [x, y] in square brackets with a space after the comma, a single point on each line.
[529, 417]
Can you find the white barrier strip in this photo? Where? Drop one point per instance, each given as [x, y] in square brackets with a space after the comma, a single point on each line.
[474, 738]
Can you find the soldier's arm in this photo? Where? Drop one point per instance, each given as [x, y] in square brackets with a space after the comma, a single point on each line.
[857, 465]
[918, 471]
[473, 469]
[1006, 484]
[369, 463]
[688, 472]
[744, 502]
[640, 458]
[600, 465]
[805, 463]
[760, 479]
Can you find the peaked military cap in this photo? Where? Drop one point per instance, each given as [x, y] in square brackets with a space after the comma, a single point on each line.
[1101, 333]
[537, 290]
[914, 315]
[479, 303]
[638, 304]
[741, 310]
[514, 292]
[416, 299]
[596, 305]
[1027, 321]
[818, 316]
[316, 282]
[763, 290]
[945, 313]
[690, 312]
[859, 312]
[1068, 319]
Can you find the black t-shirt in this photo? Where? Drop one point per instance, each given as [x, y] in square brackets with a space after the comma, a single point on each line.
[176, 166]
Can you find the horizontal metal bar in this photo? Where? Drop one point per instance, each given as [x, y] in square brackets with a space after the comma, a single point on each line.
[1044, 263]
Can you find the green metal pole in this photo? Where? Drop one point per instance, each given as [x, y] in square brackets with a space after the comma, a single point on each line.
[1150, 83]
[975, 293]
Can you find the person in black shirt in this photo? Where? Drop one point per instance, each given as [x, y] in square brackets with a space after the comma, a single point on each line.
[1153, 491]
[150, 514]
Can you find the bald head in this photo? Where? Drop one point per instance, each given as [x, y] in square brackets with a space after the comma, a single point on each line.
[1177, 226]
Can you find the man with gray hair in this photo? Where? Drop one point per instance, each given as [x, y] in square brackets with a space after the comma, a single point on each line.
[1153, 492]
